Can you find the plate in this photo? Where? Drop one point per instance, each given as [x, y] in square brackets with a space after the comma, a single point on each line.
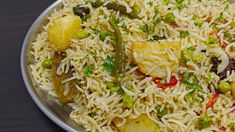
[49, 105]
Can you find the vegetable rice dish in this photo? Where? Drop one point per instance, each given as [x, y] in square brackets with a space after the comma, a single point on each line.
[141, 65]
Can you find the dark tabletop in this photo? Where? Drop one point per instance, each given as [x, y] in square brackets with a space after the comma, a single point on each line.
[18, 112]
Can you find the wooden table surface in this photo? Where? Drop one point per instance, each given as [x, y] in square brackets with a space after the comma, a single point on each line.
[18, 112]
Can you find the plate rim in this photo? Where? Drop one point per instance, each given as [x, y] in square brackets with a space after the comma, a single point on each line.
[49, 113]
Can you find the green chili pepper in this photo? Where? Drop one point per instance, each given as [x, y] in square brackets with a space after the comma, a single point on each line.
[119, 70]
[116, 7]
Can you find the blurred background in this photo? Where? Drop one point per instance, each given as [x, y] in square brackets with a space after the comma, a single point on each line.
[18, 112]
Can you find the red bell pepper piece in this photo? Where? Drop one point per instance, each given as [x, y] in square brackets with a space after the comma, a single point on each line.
[212, 100]
[173, 82]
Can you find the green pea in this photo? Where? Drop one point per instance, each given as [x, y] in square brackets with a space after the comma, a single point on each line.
[224, 87]
[128, 101]
[170, 17]
[204, 121]
[160, 113]
[47, 64]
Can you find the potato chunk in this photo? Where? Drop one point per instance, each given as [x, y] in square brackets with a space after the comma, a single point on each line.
[62, 30]
[140, 124]
[153, 58]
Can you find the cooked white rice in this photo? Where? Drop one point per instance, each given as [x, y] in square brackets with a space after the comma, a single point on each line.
[94, 96]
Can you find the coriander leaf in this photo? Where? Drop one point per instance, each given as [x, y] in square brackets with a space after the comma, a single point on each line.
[156, 10]
[184, 34]
[109, 64]
[88, 70]
[144, 28]
[120, 90]
[156, 21]
[116, 21]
